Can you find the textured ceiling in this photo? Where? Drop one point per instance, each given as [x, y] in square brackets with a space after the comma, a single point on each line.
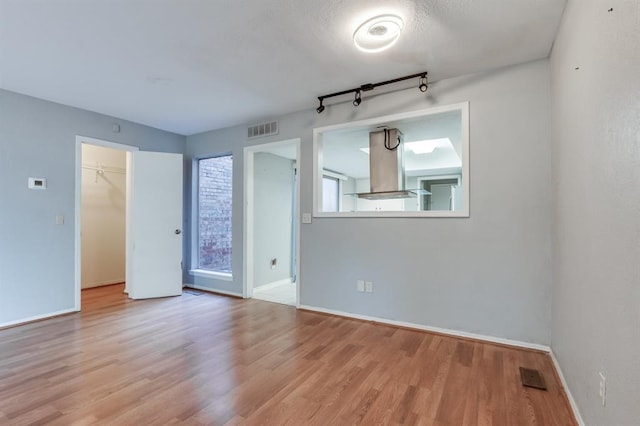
[189, 66]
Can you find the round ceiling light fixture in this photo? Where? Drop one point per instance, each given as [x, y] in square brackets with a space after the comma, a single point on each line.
[378, 34]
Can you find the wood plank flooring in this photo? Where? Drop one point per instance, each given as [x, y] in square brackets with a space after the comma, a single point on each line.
[213, 360]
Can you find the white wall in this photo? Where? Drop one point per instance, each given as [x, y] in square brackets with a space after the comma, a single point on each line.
[103, 215]
[38, 138]
[273, 209]
[348, 202]
[489, 273]
[595, 68]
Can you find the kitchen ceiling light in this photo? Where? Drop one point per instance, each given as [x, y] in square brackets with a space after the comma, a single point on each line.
[422, 147]
[378, 34]
[427, 146]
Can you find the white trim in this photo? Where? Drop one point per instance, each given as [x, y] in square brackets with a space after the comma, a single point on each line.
[415, 214]
[247, 234]
[334, 175]
[203, 273]
[463, 107]
[213, 290]
[455, 333]
[274, 284]
[247, 240]
[77, 223]
[37, 318]
[421, 178]
[316, 189]
[106, 144]
[393, 117]
[567, 391]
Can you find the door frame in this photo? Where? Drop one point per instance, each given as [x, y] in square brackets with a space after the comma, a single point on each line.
[248, 225]
[421, 179]
[77, 225]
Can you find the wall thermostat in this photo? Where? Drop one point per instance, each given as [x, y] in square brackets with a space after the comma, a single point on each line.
[37, 183]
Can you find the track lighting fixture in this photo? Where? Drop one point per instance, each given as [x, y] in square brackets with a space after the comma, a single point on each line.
[423, 83]
[358, 99]
[370, 86]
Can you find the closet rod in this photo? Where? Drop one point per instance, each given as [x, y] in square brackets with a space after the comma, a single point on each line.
[105, 169]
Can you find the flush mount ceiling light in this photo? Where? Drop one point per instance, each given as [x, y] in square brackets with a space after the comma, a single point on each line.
[378, 34]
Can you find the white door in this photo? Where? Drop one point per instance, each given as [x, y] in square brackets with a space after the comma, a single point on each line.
[155, 265]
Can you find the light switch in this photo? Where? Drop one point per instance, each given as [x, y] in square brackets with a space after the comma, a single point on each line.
[59, 219]
[306, 217]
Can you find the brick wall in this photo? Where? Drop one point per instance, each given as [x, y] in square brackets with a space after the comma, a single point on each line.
[214, 211]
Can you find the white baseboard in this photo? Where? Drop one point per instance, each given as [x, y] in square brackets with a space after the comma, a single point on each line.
[455, 333]
[213, 290]
[203, 273]
[273, 284]
[36, 318]
[572, 402]
[101, 283]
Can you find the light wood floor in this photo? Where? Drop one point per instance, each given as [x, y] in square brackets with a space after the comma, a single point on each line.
[215, 360]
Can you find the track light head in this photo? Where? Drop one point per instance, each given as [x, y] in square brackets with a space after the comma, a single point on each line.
[358, 99]
[321, 107]
[423, 83]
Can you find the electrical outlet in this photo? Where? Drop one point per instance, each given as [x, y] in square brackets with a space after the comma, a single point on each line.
[360, 285]
[603, 389]
[368, 287]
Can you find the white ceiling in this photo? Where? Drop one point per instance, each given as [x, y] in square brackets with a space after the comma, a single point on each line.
[189, 66]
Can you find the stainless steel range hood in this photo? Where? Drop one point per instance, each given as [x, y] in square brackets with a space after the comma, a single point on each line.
[386, 166]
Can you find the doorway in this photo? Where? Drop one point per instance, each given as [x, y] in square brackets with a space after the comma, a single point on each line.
[154, 203]
[101, 212]
[271, 270]
[442, 193]
[103, 206]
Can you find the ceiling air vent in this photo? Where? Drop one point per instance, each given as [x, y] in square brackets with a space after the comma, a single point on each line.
[264, 129]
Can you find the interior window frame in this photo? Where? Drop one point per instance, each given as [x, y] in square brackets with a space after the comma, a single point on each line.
[462, 107]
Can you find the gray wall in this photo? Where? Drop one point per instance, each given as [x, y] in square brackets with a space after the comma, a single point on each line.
[37, 138]
[273, 202]
[489, 273]
[596, 168]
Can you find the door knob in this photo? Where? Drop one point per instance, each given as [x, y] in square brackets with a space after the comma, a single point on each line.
[178, 232]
